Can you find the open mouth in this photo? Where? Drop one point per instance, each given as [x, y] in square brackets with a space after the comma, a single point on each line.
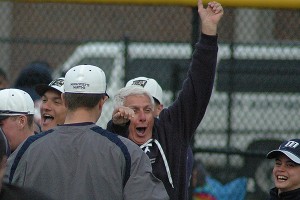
[140, 131]
[47, 118]
[282, 178]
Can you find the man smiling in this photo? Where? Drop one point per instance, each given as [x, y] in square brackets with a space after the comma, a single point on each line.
[52, 109]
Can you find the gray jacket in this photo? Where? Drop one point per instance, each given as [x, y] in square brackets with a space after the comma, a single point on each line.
[84, 161]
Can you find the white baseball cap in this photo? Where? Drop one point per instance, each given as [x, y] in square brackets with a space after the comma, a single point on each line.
[85, 79]
[149, 84]
[15, 102]
[57, 85]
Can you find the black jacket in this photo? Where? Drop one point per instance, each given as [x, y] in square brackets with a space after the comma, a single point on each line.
[177, 124]
[290, 195]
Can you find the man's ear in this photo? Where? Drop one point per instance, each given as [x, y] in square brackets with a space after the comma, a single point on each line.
[102, 101]
[22, 121]
[105, 98]
[62, 96]
[160, 107]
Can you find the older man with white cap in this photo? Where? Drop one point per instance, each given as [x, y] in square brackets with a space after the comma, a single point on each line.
[80, 160]
[151, 86]
[166, 139]
[16, 120]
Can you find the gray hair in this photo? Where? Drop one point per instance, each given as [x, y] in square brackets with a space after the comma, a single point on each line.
[119, 98]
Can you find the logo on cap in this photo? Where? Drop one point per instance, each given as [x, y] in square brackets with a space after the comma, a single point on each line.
[57, 82]
[291, 144]
[139, 82]
[80, 85]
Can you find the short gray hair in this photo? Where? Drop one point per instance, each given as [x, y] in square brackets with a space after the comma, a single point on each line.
[119, 98]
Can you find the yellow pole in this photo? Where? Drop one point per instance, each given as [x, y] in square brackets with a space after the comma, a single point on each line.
[289, 4]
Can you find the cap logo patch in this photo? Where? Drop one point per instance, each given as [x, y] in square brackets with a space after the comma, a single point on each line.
[57, 82]
[80, 85]
[292, 144]
[139, 82]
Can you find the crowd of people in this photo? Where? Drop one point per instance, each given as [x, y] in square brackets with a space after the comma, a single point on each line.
[52, 148]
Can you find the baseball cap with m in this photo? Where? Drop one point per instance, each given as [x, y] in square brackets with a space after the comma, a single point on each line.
[85, 79]
[15, 102]
[290, 148]
[150, 85]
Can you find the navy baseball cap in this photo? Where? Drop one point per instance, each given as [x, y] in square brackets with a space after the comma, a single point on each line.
[290, 148]
[57, 85]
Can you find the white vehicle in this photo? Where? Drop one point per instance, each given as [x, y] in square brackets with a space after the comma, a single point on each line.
[109, 57]
[247, 112]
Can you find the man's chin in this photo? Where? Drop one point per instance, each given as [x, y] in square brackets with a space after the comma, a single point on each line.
[47, 126]
[138, 140]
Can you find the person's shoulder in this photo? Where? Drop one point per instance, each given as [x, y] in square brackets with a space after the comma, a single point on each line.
[127, 141]
[25, 147]
[33, 139]
[113, 137]
[124, 144]
[133, 149]
[117, 139]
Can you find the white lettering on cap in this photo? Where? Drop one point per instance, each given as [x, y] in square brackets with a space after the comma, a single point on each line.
[80, 85]
[139, 82]
[292, 144]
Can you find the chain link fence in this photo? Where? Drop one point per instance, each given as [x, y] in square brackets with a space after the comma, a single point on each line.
[255, 103]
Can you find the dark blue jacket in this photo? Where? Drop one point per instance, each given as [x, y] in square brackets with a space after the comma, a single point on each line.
[290, 195]
[177, 124]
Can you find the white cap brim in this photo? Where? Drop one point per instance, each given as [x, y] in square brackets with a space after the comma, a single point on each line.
[274, 154]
